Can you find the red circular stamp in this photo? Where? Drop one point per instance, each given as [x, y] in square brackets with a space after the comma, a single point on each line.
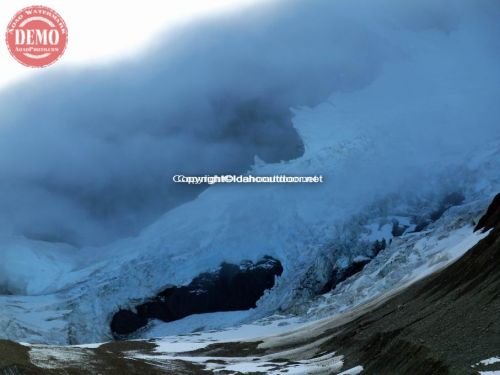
[36, 36]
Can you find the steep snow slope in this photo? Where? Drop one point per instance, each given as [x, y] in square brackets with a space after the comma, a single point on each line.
[377, 164]
[444, 323]
[406, 259]
[224, 225]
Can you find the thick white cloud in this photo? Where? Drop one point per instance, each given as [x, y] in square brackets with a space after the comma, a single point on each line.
[104, 31]
[86, 154]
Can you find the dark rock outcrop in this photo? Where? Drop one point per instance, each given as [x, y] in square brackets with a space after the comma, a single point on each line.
[491, 217]
[378, 246]
[398, 229]
[450, 200]
[229, 288]
[341, 274]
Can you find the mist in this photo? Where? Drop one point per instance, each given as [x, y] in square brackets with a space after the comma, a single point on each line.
[87, 156]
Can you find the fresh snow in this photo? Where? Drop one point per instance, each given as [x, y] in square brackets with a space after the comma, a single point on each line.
[405, 261]
[169, 343]
[489, 361]
[353, 371]
[53, 358]
[195, 323]
[326, 362]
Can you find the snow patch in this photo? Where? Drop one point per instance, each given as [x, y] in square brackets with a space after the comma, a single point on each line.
[353, 371]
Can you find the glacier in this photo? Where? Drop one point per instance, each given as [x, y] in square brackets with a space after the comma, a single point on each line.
[392, 148]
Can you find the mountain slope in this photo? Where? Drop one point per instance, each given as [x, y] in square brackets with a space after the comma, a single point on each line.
[443, 324]
[446, 323]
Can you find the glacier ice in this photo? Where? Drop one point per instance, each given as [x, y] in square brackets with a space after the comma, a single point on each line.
[424, 126]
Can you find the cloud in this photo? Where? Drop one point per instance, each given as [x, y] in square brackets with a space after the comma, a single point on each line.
[87, 156]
